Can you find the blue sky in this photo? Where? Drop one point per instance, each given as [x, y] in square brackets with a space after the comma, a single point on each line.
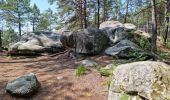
[43, 5]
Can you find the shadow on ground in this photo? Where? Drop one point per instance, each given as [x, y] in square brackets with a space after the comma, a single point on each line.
[57, 78]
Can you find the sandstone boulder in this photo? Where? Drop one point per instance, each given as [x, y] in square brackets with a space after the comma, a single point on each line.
[86, 41]
[147, 79]
[37, 42]
[126, 49]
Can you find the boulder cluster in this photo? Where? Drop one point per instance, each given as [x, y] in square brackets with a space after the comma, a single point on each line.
[145, 80]
[112, 38]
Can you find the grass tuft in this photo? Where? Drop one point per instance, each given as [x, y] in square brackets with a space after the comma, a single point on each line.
[81, 70]
[105, 72]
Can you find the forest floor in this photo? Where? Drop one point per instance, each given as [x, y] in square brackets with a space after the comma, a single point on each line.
[57, 77]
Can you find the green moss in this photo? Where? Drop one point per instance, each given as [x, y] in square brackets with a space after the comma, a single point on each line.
[124, 96]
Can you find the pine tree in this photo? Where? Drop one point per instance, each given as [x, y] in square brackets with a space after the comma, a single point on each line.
[34, 18]
[16, 11]
[154, 26]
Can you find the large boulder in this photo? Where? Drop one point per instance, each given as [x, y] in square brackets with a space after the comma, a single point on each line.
[37, 42]
[111, 24]
[86, 41]
[126, 49]
[146, 80]
[129, 27]
[114, 29]
[117, 31]
[23, 86]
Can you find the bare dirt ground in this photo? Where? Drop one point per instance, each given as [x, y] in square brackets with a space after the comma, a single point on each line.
[57, 77]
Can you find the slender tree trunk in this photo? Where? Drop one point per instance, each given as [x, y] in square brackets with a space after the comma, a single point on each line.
[0, 39]
[98, 13]
[154, 26]
[81, 14]
[33, 26]
[117, 9]
[167, 10]
[166, 31]
[19, 24]
[85, 14]
[95, 16]
[19, 19]
[148, 24]
[127, 10]
[104, 10]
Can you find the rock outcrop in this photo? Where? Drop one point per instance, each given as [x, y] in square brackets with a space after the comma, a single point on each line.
[37, 42]
[86, 41]
[129, 27]
[114, 29]
[126, 49]
[24, 86]
[147, 79]
[117, 31]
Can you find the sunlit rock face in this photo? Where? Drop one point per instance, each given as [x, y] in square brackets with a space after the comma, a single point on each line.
[114, 29]
[146, 79]
[37, 42]
[118, 31]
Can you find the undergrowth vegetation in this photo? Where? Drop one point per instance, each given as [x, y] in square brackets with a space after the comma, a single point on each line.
[163, 55]
[105, 72]
[81, 70]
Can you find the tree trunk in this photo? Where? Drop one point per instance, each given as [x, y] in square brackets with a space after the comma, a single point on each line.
[85, 14]
[148, 24]
[117, 10]
[81, 14]
[167, 10]
[104, 10]
[154, 26]
[95, 16]
[33, 26]
[127, 10]
[19, 24]
[19, 19]
[0, 39]
[98, 13]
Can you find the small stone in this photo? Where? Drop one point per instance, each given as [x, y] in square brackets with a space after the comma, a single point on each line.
[110, 66]
[60, 77]
[88, 63]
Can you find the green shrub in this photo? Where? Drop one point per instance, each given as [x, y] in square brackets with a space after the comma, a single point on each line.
[144, 43]
[80, 70]
[9, 36]
[105, 72]
[138, 56]
[163, 55]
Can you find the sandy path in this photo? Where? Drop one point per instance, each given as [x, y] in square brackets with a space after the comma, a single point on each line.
[57, 78]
